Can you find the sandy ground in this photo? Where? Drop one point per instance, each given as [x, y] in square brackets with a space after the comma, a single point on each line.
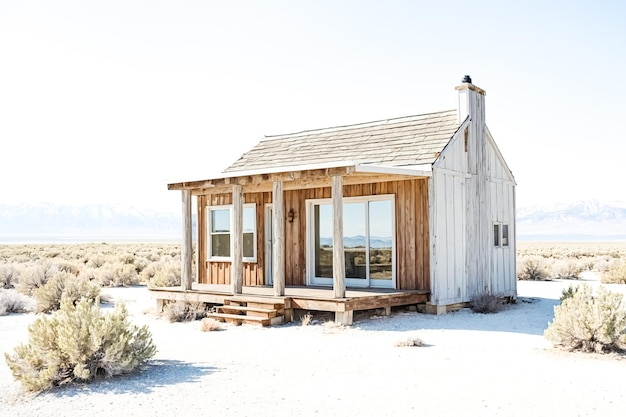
[473, 364]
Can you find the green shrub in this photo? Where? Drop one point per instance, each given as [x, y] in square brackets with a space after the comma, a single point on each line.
[14, 302]
[486, 304]
[589, 322]
[614, 274]
[77, 344]
[568, 292]
[185, 311]
[532, 268]
[64, 284]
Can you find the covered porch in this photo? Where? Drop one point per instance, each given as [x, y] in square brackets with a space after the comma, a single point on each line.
[259, 235]
[260, 305]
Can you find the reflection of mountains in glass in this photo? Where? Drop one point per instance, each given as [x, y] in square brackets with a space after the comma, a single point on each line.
[359, 240]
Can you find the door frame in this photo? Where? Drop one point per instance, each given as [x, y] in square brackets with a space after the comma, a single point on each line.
[311, 279]
[269, 244]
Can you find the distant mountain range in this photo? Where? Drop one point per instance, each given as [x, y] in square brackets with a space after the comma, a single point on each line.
[44, 222]
[581, 220]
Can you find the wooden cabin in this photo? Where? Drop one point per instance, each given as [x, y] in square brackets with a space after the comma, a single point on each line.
[421, 205]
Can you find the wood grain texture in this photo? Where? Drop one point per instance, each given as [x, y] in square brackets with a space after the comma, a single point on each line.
[339, 267]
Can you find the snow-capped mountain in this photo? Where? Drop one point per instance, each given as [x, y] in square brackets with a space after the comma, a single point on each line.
[49, 222]
[580, 220]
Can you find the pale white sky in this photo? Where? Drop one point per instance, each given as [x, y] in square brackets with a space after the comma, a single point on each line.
[108, 101]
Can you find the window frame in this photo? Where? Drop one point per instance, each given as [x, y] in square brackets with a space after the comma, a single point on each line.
[209, 234]
[311, 279]
[499, 238]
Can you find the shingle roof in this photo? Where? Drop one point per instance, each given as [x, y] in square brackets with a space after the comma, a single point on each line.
[395, 142]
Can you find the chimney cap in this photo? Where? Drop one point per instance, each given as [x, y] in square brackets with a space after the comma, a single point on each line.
[467, 79]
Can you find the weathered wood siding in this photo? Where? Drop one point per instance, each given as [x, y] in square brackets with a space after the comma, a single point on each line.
[502, 188]
[219, 272]
[471, 189]
[412, 233]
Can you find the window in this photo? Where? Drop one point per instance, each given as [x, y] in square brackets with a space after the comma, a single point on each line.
[496, 234]
[220, 238]
[500, 235]
[368, 241]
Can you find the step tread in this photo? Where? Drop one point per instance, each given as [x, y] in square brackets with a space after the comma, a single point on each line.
[245, 308]
[237, 317]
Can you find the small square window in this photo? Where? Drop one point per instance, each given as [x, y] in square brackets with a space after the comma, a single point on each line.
[505, 235]
[496, 235]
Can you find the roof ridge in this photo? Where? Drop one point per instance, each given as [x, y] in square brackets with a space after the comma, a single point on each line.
[344, 127]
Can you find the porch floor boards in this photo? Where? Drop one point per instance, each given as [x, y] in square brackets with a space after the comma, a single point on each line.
[305, 298]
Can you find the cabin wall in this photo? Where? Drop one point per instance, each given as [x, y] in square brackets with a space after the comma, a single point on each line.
[502, 189]
[449, 224]
[412, 233]
[466, 200]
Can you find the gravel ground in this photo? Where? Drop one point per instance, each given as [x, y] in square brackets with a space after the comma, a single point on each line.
[471, 364]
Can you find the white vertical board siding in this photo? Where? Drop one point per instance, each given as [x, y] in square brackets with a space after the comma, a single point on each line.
[448, 245]
[502, 190]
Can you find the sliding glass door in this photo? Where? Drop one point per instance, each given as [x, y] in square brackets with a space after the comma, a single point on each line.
[369, 241]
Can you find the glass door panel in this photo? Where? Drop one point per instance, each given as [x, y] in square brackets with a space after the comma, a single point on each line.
[355, 240]
[381, 241]
[323, 240]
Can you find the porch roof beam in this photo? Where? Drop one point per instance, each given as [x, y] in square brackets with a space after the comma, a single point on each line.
[265, 179]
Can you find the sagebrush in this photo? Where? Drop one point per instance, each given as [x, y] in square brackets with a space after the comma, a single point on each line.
[589, 322]
[79, 343]
[185, 311]
[487, 303]
[532, 268]
[615, 273]
[64, 285]
[13, 302]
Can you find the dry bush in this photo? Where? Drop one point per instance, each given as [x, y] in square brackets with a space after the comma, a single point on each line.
[64, 285]
[165, 273]
[117, 275]
[185, 311]
[9, 275]
[532, 268]
[566, 269]
[95, 261]
[306, 319]
[412, 341]
[67, 266]
[210, 325]
[615, 274]
[35, 276]
[486, 304]
[588, 322]
[77, 344]
[13, 302]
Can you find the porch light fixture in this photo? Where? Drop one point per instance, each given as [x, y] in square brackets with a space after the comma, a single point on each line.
[291, 215]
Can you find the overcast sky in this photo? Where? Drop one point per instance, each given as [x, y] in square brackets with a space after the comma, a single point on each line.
[108, 101]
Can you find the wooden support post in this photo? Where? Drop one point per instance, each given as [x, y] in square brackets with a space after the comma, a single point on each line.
[278, 272]
[236, 277]
[339, 267]
[344, 318]
[186, 249]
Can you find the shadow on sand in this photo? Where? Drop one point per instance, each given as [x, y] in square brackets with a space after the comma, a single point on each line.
[153, 374]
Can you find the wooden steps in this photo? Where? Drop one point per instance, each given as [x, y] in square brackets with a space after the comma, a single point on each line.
[250, 310]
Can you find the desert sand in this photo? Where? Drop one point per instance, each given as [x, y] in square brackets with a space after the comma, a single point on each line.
[471, 364]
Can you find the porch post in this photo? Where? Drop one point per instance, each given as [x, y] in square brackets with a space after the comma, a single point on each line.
[186, 249]
[236, 275]
[278, 224]
[339, 267]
